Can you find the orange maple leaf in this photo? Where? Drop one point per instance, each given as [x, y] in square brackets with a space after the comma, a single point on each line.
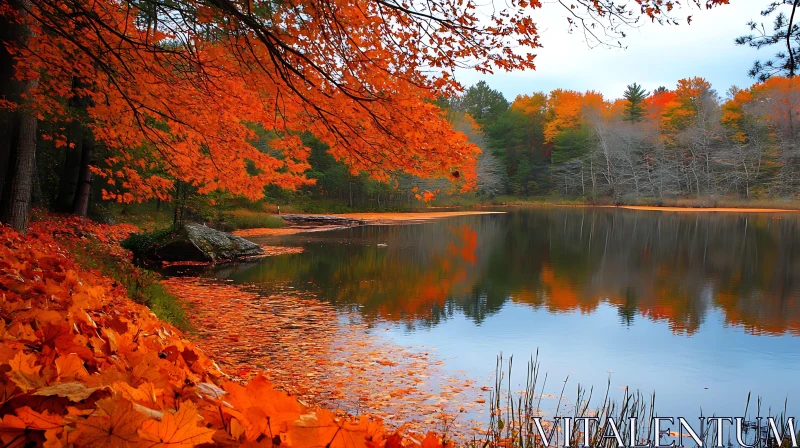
[323, 429]
[25, 373]
[39, 421]
[177, 431]
[115, 423]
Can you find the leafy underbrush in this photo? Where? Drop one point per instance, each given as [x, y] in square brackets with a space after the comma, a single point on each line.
[146, 216]
[139, 242]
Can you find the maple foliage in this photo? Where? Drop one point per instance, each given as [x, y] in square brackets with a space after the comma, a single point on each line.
[685, 105]
[184, 99]
[565, 111]
[83, 365]
[657, 102]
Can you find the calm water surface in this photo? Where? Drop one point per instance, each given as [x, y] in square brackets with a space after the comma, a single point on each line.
[701, 308]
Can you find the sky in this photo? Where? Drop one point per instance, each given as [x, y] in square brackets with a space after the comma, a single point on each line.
[656, 55]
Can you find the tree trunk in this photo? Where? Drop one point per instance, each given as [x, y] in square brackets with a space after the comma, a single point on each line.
[68, 180]
[72, 174]
[18, 187]
[350, 193]
[80, 206]
[176, 202]
[17, 131]
[9, 90]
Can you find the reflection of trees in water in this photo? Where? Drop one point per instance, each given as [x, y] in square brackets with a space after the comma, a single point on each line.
[669, 266]
[424, 274]
[672, 266]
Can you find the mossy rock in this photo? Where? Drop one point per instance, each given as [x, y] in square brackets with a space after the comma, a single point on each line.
[196, 242]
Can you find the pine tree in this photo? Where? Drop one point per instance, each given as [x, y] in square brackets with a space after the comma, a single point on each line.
[634, 110]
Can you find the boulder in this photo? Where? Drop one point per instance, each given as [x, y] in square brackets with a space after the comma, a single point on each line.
[197, 242]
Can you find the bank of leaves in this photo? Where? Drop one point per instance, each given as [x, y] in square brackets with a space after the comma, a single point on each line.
[81, 364]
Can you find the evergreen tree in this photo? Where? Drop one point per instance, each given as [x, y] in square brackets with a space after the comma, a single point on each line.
[483, 103]
[634, 110]
[785, 34]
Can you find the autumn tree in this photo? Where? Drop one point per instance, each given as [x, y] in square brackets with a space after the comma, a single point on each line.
[157, 77]
[772, 106]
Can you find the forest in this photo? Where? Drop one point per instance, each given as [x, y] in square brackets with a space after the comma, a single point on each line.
[685, 141]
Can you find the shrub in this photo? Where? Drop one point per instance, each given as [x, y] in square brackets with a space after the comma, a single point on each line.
[139, 242]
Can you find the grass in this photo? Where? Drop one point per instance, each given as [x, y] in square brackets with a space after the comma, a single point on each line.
[151, 218]
[513, 414]
[143, 286]
[249, 219]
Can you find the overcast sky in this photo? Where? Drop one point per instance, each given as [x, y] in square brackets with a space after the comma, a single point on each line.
[656, 55]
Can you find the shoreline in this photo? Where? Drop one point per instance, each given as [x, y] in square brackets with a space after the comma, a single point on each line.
[367, 218]
[702, 209]
[394, 218]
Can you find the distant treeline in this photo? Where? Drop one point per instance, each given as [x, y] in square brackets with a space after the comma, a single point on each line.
[683, 142]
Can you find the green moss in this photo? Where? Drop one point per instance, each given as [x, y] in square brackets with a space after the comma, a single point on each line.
[143, 286]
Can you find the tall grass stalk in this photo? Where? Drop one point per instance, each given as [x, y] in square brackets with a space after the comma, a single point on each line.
[513, 416]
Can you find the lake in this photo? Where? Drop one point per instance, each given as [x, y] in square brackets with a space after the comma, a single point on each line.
[701, 308]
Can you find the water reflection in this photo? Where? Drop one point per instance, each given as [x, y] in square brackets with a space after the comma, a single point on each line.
[666, 267]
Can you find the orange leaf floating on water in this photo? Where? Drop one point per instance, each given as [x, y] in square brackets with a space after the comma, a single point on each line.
[344, 364]
[323, 429]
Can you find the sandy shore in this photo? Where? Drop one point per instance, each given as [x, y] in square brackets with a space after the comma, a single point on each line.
[370, 218]
[709, 209]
